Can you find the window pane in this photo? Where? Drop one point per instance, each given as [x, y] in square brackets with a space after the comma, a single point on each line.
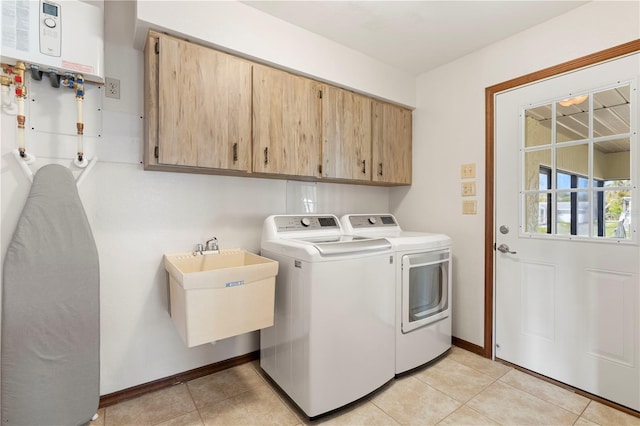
[617, 183]
[533, 162]
[563, 213]
[537, 126]
[563, 181]
[582, 213]
[611, 112]
[612, 160]
[583, 182]
[573, 160]
[572, 118]
[536, 212]
[615, 213]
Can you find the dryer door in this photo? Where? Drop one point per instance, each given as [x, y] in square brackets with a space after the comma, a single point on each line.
[425, 288]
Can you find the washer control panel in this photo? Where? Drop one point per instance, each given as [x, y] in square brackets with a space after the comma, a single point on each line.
[303, 223]
[372, 221]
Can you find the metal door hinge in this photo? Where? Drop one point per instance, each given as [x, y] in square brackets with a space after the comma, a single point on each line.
[320, 93]
[320, 168]
[156, 152]
[157, 47]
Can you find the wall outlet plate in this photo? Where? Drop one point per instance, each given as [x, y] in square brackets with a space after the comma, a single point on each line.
[112, 88]
[469, 207]
[468, 171]
[468, 189]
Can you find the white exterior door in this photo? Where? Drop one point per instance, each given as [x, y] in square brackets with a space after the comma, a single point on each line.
[567, 299]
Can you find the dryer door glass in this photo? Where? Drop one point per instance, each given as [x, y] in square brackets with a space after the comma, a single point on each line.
[425, 281]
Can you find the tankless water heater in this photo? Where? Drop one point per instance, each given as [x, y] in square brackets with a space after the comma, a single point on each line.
[55, 37]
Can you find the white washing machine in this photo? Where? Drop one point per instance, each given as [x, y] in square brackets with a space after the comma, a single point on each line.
[332, 341]
[423, 288]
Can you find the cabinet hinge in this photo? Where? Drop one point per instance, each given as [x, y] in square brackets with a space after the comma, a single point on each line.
[320, 168]
[320, 93]
[156, 152]
[157, 47]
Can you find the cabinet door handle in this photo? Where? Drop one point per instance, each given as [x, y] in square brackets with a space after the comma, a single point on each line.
[379, 169]
[235, 152]
[364, 166]
[266, 156]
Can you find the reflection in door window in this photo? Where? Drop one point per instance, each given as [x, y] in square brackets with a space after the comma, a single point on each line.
[577, 165]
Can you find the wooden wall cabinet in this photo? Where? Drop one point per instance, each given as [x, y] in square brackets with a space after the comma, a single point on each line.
[346, 135]
[211, 112]
[198, 106]
[391, 144]
[286, 123]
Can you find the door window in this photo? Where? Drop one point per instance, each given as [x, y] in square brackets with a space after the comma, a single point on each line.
[577, 161]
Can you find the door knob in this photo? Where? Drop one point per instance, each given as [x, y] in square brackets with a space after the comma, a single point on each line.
[503, 248]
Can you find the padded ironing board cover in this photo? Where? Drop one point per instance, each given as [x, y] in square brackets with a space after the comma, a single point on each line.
[50, 309]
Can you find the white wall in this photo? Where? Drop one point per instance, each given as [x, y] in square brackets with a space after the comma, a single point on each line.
[241, 29]
[137, 215]
[449, 126]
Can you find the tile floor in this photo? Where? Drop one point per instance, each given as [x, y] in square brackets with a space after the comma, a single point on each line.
[460, 389]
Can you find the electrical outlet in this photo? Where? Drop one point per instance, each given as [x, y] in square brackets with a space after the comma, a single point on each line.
[468, 171]
[112, 88]
[468, 189]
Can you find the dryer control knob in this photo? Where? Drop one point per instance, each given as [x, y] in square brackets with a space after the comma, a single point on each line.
[305, 222]
[372, 220]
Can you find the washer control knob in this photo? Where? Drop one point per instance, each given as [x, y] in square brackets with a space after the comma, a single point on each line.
[372, 220]
[305, 222]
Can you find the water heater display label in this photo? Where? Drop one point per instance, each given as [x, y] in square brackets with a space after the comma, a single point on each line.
[50, 9]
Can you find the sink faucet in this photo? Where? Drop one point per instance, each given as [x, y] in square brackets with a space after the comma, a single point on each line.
[211, 245]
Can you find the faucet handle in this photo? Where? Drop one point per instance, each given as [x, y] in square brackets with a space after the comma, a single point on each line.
[198, 249]
[211, 244]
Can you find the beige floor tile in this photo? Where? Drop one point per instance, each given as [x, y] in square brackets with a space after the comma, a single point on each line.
[546, 391]
[151, 408]
[604, 415]
[100, 420]
[225, 384]
[454, 379]
[410, 401]
[483, 365]
[257, 406]
[508, 405]
[189, 419]
[584, 422]
[364, 413]
[466, 416]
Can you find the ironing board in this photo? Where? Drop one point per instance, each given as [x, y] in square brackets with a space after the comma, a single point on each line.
[50, 309]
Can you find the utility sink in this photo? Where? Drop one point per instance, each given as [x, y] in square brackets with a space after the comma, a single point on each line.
[224, 269]
[215, 296]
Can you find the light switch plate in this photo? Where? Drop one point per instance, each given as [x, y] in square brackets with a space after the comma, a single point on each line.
[468, 189]
[468, 171]
[469, 207]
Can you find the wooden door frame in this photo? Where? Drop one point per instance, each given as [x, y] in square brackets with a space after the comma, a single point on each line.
[490, 93]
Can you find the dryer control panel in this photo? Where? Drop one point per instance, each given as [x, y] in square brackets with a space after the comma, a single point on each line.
[372, 221]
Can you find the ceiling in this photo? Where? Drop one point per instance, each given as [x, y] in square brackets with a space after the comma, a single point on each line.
[415, 36]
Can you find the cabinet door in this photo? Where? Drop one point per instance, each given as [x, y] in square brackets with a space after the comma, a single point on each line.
[286, 123]
[346, 135]
[204, 102]
[391, 144]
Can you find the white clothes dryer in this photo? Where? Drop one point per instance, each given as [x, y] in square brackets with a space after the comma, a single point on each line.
[423, 287]
[333, 333]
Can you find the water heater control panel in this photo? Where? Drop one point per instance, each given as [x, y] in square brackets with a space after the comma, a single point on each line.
[50, 29]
